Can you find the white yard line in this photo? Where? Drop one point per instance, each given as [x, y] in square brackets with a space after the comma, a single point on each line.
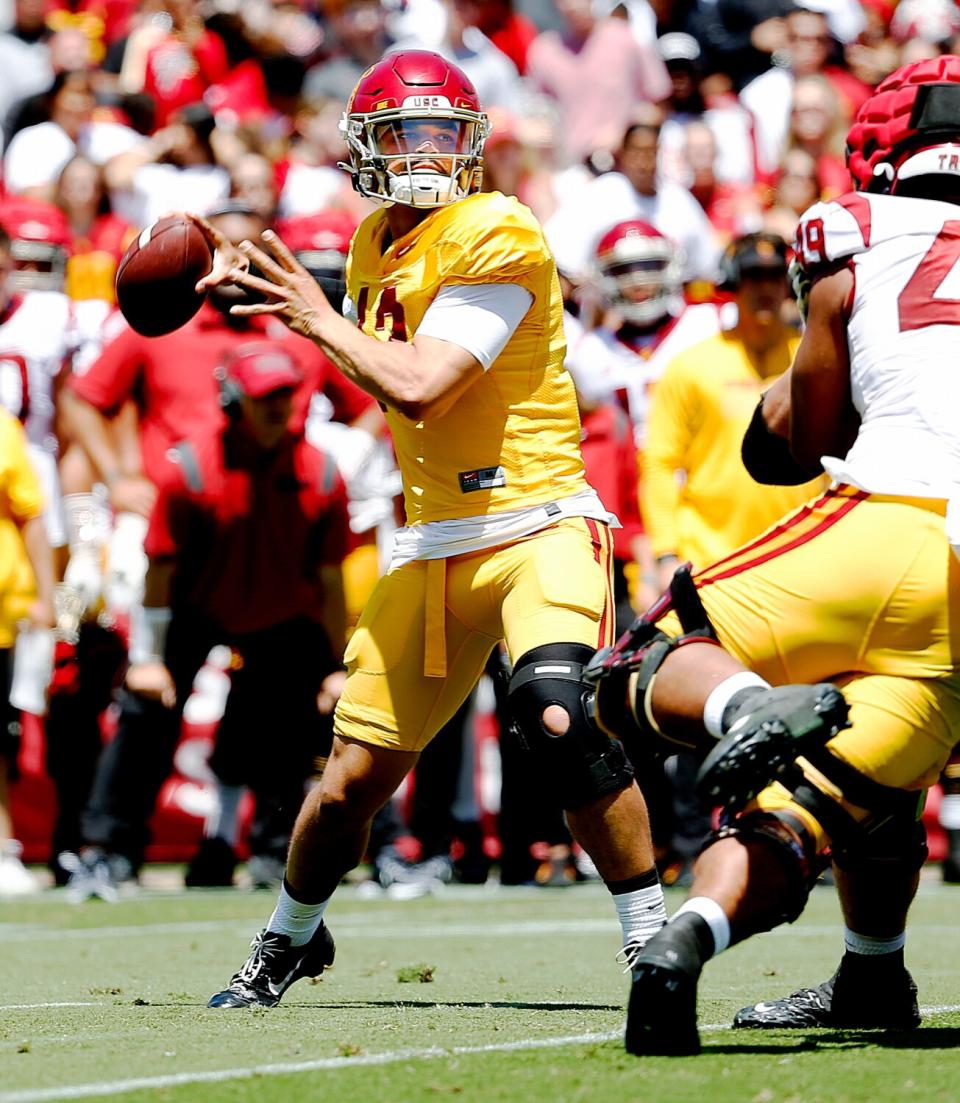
[145, 1083]
[41, 1006]
[116, 1087]
[347, 926]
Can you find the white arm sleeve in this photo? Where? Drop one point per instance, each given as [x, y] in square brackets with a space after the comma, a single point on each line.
[480, 319]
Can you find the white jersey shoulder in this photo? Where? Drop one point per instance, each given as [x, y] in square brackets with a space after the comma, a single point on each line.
[903, 336]
[841, 228]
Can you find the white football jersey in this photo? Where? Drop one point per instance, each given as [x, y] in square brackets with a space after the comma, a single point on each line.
[607, 370]
[903, 336]
[41, 333]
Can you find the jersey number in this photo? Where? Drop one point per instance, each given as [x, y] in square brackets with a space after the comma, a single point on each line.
[917, 306]
[388, 304]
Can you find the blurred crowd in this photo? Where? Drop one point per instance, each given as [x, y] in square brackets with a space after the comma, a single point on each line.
[668, 146]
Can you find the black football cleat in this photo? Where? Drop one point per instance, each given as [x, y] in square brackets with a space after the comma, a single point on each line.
[273, 965]
[768, 730]
[662, 1013]
[839, 1006]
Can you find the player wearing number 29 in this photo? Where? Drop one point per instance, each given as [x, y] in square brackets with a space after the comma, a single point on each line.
[458, 333]
[860, 588]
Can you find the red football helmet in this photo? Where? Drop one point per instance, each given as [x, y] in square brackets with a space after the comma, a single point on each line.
[415, 131]
[909, 127]
[640, 271]
[321, 242]
[40, 242]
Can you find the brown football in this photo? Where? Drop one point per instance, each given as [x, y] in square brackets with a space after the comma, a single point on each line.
[156, 277]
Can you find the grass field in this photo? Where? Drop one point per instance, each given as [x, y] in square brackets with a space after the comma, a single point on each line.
[525, 1004]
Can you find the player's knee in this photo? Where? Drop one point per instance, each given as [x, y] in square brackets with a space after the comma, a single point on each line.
[889, 831]
[341, 808]
[784, 838]
[625, 675]
[556, 720]
[896, 847]
[549, 703]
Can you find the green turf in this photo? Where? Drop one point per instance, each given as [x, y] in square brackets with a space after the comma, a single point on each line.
[507, 967]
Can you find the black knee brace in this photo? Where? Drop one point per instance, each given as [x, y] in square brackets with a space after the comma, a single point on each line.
[791, 844]
[623, 709]
[583, 764]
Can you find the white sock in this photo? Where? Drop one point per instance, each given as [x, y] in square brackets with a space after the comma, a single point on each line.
[641, 913]
[715, 918]
[949, 815]
[872, 947]
[720, 696]
[299, 921]
[225, 821]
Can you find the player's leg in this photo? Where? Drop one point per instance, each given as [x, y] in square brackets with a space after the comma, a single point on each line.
[134, 765]
[870, 988]
[389, 710]
[556, 609]
[796, 606]
[861, 793]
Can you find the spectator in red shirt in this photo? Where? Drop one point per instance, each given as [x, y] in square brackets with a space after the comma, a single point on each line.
[245, 548]
[818, 125]
[183, 64]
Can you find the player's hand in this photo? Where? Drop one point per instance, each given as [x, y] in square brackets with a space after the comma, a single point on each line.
[152, 681]
[226, 256]
[293, 295]
[133, 494]
[41, 614]
[330, 689]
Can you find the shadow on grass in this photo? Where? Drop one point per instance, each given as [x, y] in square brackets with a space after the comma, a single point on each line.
[932, 1037]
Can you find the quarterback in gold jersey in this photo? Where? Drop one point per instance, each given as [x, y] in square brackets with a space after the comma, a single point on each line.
[453, 321]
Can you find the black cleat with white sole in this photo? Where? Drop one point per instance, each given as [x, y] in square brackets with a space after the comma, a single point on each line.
[273, 965]
[840, 1006]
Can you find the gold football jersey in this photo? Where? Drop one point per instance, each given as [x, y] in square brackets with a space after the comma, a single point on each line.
[513, 438]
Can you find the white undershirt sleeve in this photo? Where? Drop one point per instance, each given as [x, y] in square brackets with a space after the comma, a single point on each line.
[479, 318]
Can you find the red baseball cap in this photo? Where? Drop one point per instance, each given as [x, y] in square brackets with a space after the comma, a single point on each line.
[261, 367]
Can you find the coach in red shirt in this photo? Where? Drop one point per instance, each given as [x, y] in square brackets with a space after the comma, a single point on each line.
[245, 546]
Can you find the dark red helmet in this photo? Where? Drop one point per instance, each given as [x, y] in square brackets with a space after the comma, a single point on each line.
[640, 271]
[910, 120]
[415, 131]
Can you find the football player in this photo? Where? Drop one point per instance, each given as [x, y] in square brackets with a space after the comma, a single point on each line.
[639, 275]
[859, 587]
[458, 333]
[876, 888]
